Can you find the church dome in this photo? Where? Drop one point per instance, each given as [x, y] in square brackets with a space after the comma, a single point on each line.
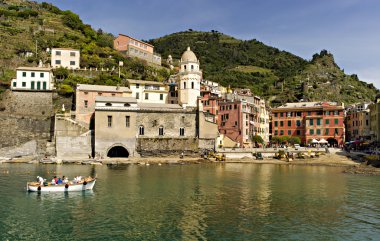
[189, 56]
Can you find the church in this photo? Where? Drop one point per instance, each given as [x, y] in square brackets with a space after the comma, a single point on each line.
[125, 127]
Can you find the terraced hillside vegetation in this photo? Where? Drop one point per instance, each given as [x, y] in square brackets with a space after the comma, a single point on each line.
[28, 29]
[277, 75]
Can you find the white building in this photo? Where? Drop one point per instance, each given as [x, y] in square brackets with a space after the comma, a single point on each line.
[66, 58]
[190, 79]
[148, 91]
[33, 78]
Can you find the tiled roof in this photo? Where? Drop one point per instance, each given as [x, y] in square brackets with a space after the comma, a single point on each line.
[115, 99]
[158, 106]
[34, 68]
[146, 82]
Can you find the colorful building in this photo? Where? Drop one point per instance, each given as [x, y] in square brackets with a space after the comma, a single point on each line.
[310, 120]
[358, 122]
[132, 47]
[375, 120]
[85, 99]
[148, 91]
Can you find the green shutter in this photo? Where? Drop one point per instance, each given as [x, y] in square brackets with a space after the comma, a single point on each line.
[32, 85]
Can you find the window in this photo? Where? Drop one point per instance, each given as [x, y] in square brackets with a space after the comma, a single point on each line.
[23, 74]
[327, 121]
[41, 75]
[44, 85]
[32, 85]
[137, 95]
[298, 132]
[192, 67]
[161, 131]
[275, 114]
[72, 62]
[192, 85]
[318, 131]
[127, 121]
[298, 123]
[23, 84]
[38, 85]
[100, 93]
[289, 123]
[281, 132]
[327, 131]
[184, 85]
[336, 112]
[161, 96]
[108, 104]
[236, 123]
[336, 121]
[137, 86]
[318, 122]
[72, 54]
[275, 123]
[57, 61]
[58, 53]
[109, 118]
[327, 112]
[33, 74]
[281, 114]
[276, 133]
[235, 107]
[311, 132]
[147, 96]
[14, 84]
[141, 130]
[281, 123]
[311, 122]
[366, 122]
[309, 113]
[181, 131]
[86, 104]
[289, 132]
[184, 67]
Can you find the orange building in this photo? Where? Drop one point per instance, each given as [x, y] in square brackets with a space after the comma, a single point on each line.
[310, 120]
[136, 48]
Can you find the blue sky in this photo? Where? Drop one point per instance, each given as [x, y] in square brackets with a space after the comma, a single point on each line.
[347, 28]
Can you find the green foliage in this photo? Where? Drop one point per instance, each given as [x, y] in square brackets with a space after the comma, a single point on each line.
[65, 90]
[294, 140]
[257, 139]
[61, 73]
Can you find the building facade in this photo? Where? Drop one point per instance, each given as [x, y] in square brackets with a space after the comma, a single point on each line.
[65, 57]
[85, 99]
[149, 91]
[132, 47]
[33, 79]
[310, 120]
[375, 120]
[358, 122]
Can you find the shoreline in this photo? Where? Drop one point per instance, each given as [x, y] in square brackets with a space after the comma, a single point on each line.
[351, 164]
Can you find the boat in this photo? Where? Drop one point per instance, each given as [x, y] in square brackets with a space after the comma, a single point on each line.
[86, 184]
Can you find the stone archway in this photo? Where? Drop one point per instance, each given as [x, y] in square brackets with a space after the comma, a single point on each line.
[332, 142]
[118, 152]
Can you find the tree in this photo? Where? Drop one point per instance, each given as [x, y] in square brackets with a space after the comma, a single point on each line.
[294, 140]
[257, 139]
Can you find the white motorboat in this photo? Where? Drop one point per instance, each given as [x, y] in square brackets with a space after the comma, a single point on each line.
[86, 184]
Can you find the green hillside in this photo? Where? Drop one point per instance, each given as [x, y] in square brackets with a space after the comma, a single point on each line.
[29, 27]
[277, 75]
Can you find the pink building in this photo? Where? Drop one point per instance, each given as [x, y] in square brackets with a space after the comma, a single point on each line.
[210, 102]
[85, 99]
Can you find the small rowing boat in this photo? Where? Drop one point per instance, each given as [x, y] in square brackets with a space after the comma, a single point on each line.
[86, 184]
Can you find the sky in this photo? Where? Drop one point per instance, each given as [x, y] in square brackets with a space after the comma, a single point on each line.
[349, 29]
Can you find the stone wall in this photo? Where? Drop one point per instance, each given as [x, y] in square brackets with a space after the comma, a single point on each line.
[167, 146]
[24, 117]
[26, 149]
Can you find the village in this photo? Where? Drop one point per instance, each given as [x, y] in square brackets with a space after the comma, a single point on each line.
[186, 115]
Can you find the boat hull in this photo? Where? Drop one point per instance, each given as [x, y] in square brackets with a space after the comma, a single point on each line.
[62, 187]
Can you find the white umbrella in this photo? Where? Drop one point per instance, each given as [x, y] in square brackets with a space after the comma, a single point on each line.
[323, 141]
[314, 141]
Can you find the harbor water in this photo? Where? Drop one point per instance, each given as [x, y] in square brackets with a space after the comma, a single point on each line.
[192, 202]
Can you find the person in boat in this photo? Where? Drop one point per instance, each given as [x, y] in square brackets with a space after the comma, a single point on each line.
[55, 179]
[59, 181]
[53, 182]
[40, 180]
[66, 180]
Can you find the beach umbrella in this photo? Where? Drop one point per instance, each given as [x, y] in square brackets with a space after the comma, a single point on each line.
[323, 141]
[314, 141]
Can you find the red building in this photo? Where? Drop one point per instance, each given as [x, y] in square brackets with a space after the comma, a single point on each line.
[210, 102]
[310, 120]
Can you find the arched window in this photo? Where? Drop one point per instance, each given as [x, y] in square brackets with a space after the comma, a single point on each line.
[108, 104]
[184, 85]
[192, 85]
[192, 67]
[161, 131]
[184, 67]
[141, 130]
[127, 105]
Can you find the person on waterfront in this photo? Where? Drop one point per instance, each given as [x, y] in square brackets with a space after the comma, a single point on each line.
[59, 181]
